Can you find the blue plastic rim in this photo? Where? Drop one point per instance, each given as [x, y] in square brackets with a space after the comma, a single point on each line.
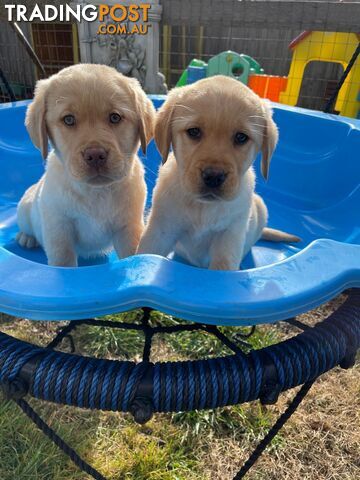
[313, 192]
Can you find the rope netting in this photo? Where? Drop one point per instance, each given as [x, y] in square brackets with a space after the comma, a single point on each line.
[145, 387]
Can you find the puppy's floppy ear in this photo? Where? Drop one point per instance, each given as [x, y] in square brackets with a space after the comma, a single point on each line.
[146, 114]
[163, 137]
[35, 120]
[270, 139]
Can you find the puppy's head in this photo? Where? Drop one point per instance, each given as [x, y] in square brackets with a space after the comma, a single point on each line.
[216, 127]
[95, 118]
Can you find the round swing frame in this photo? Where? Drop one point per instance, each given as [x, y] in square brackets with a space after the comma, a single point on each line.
[145, 388]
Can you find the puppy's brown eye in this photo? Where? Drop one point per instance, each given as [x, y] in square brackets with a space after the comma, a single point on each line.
[115, 118]
[240, 138]
[69, 120]
[194, 133]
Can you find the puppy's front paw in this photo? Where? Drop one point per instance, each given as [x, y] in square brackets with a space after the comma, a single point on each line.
[223, 264]
[63, 263]
[65, 258]
[125, 250]
[26, 241]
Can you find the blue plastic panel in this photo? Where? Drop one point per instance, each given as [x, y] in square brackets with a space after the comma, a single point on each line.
[313, 192]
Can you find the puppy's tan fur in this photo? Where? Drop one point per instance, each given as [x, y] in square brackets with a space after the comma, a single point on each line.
[211, 230]
[74, 210]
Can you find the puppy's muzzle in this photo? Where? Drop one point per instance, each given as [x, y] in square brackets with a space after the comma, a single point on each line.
[95, 157]
[213, 178]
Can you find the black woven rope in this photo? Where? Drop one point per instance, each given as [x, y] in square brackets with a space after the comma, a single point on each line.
[58, 441]
[64, 332]
[149, 333]
[296, 323]
[280, 422]
[330, 103]
[85, 467]
[208, 384]
[226, 341]
[143, 327]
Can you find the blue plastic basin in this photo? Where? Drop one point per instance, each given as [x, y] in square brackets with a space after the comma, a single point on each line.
[313, 192]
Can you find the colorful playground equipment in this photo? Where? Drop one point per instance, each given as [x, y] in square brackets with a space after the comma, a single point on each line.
[336, 47]
[234, 65]
[268, 86]
[239, 66]
[309, 46]
[231, 64]
[194, 64]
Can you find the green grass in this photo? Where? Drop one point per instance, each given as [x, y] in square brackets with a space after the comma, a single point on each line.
[169, 447]
[26, 454]
[110, 442]
[128, 344]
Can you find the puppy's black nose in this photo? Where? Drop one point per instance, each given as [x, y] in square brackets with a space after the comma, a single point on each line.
[213, 178]
[95, 156]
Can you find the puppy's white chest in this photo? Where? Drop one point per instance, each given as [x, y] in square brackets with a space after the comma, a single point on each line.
[92, 235]
[208, 220]
[195, 242]
[94, 226]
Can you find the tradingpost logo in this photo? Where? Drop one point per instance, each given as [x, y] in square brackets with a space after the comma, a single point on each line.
[114, 19]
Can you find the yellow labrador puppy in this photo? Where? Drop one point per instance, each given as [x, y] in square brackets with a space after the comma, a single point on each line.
[91, 197]
[204, 205]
